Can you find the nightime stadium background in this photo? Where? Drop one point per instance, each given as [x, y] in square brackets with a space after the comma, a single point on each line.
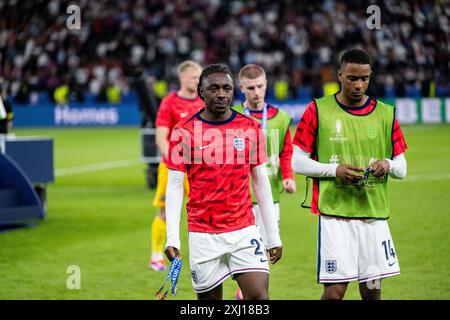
[86, 90]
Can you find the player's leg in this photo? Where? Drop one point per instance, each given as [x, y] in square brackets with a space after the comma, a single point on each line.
[158, 228]
[337, 256]
[208, 264]
[214, 294]
[370, 290]
[378, 258]
[334, 291]
[262, 230]
[254, 285]
[248, 263]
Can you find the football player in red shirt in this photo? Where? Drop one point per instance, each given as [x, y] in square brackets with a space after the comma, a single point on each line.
[219, 149]
[174, 107]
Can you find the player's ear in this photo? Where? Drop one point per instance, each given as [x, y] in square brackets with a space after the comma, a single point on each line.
[241, 87]
[339, 74]
[200, 91]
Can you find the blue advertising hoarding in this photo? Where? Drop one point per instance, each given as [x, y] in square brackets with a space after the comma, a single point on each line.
[408, 111]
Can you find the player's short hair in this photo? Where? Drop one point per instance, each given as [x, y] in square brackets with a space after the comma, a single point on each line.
[212, 68]
[358, 56]
[251, 71]
[188, 64]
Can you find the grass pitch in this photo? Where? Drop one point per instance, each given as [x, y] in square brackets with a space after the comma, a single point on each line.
[99, 216]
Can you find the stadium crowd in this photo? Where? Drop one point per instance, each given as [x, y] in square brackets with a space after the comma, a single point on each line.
[297, 42]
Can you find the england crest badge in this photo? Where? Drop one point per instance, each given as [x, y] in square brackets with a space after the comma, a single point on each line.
[331, 266]
[239, 144]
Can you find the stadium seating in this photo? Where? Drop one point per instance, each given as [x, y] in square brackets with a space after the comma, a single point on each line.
[294, 40]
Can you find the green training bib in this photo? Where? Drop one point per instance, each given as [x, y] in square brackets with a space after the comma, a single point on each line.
[345, 138]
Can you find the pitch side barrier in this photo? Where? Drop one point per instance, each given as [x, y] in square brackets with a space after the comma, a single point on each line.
[26, 166]
[408, 111]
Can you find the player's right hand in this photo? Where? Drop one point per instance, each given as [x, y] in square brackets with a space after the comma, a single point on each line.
[172, 252]
[275, 254]
[348, 173]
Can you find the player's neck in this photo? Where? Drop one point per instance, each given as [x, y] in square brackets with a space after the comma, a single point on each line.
[254, 106]
[187, 94]
[214, 117]
[350, 103]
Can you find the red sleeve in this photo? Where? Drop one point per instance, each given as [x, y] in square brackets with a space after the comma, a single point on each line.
[258, 152]
[286, 157]
[179, 151]
[305, 135]
[164, 116]
[399, 143]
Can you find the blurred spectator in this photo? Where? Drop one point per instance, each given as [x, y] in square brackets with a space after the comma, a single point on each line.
[61, 94]
[5, 123]
[113, 94]
[411, 50]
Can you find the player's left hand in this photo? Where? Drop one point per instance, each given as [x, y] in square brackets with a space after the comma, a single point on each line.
[275, 254]
[289, 185]
[380, 168]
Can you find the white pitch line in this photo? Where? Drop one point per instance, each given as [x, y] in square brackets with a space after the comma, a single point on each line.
[425, 177]
[97, 189]
[95, 167]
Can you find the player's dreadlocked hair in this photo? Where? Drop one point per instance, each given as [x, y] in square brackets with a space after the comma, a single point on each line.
[355, 56]
[212, 68]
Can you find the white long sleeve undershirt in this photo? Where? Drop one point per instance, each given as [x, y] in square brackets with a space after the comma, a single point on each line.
[263, 194]
[174, 203]
[303, 164]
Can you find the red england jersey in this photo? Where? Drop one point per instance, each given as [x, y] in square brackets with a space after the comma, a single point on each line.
[305, 136]
[174, 108]
[218, 158]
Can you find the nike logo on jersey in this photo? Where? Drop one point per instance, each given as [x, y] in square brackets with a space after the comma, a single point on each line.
[184, 114]
[391, 264]
[204, 147]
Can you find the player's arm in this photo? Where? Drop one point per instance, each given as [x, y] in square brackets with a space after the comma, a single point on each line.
[162, 140]
[287, 173]
[263, 194]
[395, 167]
[304, 144]
[303, 164]
[174, 202]
[164, 121]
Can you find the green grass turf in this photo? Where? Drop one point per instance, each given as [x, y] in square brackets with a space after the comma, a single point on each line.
[101, 220]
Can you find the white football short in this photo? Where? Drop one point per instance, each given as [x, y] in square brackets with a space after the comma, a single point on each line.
[213, 257]
[259, 222]
[355, 249]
